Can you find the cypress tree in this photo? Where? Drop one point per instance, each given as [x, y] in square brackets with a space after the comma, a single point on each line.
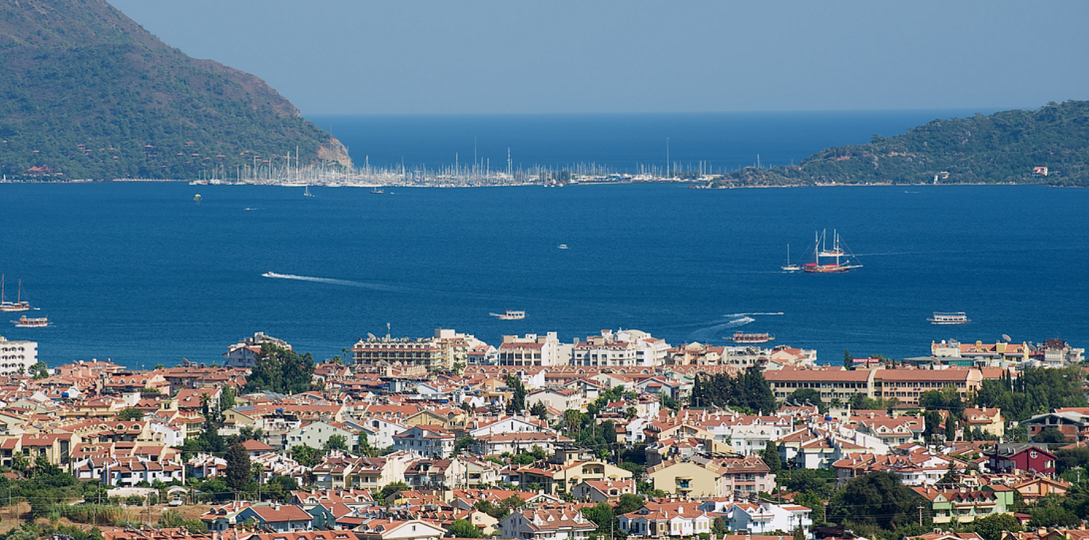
[239, 469]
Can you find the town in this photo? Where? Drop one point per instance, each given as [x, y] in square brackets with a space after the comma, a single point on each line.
[613, 435]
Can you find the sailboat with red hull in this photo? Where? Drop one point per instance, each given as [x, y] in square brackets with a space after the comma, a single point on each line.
[830, 261]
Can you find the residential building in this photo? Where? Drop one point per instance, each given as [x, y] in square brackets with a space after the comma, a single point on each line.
[560, 399]
[1073, 423]
[564, 470]
[833, 384]
[391, 529]
[965, 505]
[1028, 457]
[987, 419]
[666, 519]
[279, 518]
[244, 353]
[316, 434]
[598, 491]
[622, 348]
[906, 384]
[532, 350]
[556, 522]
[427, 353]
[701, 476]
[426, 440]
[16, 357]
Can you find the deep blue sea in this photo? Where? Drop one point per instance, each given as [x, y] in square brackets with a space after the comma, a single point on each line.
[142, 274]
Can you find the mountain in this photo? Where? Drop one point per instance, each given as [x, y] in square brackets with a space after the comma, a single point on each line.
[86, 93]
[1003, 147]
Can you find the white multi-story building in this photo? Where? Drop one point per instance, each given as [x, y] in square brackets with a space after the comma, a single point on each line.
[316, 434]
[622, 348]
[762, 518]
[244, 353]
[425, 440]
[531, 350]
[17, 356]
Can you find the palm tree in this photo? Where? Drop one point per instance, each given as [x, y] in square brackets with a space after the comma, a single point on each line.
[258, 472]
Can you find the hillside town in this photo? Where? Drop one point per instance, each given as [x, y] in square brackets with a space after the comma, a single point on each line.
[613, 435]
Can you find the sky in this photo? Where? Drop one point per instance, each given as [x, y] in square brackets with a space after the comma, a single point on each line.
[634, 56]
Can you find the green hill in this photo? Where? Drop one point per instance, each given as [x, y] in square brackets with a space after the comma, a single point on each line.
[999, 148]
[86, 93]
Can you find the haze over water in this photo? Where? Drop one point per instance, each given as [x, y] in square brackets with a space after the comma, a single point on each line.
[142, 274]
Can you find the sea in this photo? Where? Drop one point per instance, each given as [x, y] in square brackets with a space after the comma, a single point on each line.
[142, 274]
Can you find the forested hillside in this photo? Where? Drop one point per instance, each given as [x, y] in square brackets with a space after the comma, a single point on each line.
[86, 93]
[1002, 147]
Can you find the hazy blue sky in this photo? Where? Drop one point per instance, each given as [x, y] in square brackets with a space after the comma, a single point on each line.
[559, 56]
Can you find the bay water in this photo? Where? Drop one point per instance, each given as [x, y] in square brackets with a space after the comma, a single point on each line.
[142, 274]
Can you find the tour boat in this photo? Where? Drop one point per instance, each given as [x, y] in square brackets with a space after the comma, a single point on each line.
[742, 337]
[24, 322]
[842, 260]
[509, 315]
[18, 305]
[958, 317]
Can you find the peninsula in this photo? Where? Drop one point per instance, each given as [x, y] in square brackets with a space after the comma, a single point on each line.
[1048, 145]
[89, 94]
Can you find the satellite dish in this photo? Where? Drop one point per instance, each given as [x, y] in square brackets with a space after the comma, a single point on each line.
[1006, 338]
[370, 335]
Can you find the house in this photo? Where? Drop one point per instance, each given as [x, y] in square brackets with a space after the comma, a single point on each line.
[225, 517]
[316, 434]
[426, 440]
[564, 470]
[391, 529]
[517, 443]
[759, 518]
[766, 517]
[702, 476]
[561, 399]
[598, 491]
[1038, 487]
[1072, 423]
[244, 353]
[669, 518]
[280, 518]
[256, 448]
[987, 419]
[557, 522]
[1027, 457]
[964, 505]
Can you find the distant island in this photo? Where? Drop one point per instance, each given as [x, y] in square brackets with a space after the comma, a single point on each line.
[89, 94]
[1049, 145]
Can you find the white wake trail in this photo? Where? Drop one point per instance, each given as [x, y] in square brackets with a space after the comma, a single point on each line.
[330, 281]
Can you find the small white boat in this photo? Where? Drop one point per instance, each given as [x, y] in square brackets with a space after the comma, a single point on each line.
[509, 315]
[562, 246]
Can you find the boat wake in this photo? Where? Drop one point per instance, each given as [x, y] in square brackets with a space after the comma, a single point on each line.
[716, 331]
[331, 281]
